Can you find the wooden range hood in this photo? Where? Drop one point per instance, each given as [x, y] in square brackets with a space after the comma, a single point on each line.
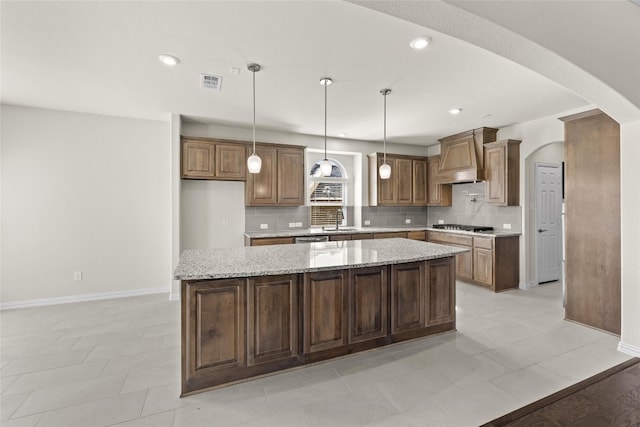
[462, 156]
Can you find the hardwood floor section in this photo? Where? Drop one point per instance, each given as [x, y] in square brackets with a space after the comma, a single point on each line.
[610, 398]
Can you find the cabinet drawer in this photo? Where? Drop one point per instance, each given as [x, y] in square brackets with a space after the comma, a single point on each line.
[456, 239]
[483, 242]
[402, 235]
[362, 236]
[417, 235]
[272, 241]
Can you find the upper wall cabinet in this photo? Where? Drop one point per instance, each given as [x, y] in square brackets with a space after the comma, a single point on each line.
[206, 158]
[437, 194]
[407, 185]
[281, 178]
[502, 172]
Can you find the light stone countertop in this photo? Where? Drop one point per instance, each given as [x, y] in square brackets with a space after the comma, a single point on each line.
[305, 257]
[295, 232]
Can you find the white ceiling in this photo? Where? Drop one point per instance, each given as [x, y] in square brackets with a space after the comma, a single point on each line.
[102, 57]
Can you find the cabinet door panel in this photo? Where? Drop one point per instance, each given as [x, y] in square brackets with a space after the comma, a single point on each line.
[407, 296]
[495, 165]
[272, 332]
[441, 296]
[214, 333]
[483, 266]
[290, 177]
[464, 265]
[404, 181]
[437, 194]
[261, 188]
[198, 159]
[387, 187]
[325, 310]
[368, 313]
[420, 172]
[231, 161]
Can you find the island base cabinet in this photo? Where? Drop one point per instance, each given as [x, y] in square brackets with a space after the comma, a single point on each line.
[213, 332]
[369, 301]
[407, 296]
[441, 295]
[272, 329]
[325, 310]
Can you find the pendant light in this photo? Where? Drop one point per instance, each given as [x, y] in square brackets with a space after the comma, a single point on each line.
[385, 169]
[254, 162]
[325, 165]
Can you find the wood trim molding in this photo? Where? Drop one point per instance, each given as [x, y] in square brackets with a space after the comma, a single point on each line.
[582, 115]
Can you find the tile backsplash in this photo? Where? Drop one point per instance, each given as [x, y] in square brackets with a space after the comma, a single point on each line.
[478, 212]
[462, 211]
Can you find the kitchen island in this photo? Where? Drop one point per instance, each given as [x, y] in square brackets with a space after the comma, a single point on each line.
[250, 311]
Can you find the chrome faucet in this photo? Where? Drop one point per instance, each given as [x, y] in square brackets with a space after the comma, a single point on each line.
[339, 218]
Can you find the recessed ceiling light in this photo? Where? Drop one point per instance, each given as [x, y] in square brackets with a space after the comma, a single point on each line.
[455, 111]
[420, 42]
[168, 60]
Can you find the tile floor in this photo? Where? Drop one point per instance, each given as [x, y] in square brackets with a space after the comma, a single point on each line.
[116, 362]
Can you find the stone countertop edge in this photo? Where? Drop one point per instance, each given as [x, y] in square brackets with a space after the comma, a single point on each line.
[252, 261]
[300, 232]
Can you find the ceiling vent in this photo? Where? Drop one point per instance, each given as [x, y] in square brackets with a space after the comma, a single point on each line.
[209, 81]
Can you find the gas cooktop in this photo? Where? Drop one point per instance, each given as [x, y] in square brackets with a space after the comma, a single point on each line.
[462, 227]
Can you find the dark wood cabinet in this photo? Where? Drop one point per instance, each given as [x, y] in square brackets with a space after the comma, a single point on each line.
[441, 295]
[407, 185]
[391, 235]
[325, 318]
[213, 333]
[407, 297]
[420, 182]
[462, 155]
[502, 172]
[280, 181]
[417, 235]
[492, 262]
[264, 241]
[272, 330]
[368, 308]
[437, 194]
[234, 329]
[198, 159]
[217, 159]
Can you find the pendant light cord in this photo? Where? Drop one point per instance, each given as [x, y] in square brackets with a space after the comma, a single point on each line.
[384, 160]
[254, 111]
[325, 120]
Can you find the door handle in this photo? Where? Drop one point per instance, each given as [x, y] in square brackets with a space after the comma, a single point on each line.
[540, 230]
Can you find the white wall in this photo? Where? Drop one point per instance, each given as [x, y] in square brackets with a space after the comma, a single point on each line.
[83, 192]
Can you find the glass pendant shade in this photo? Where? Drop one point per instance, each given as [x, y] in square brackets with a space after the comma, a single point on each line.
[326, 167]
[254, 163]
[385, 171]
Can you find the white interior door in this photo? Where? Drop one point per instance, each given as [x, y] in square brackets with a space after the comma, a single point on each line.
[548, 181]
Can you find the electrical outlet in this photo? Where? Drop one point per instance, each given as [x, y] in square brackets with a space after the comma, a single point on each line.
[367, 222]
[298, 224]
[264, 226]
[506, 226]
[225, 221]
[441, 221]
[407, 221]
[292, 224]
[77, 275]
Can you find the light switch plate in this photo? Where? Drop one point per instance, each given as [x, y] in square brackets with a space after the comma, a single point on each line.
[367, 222]
[292, 224]
[506, 226]
[407, 221]
[264, 226]
[441, 221]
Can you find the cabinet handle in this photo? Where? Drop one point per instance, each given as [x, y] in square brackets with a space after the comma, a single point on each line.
[540, 230]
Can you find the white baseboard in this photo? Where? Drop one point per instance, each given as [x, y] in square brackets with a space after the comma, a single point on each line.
[174, 296]
[527, 285]
[80, 298]
[631, 350]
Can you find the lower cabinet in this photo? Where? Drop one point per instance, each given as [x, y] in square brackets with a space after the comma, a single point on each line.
[213, 332]
[407, 296]
[272, 328]
[369, 303]
[325, 310]
[234, 329]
